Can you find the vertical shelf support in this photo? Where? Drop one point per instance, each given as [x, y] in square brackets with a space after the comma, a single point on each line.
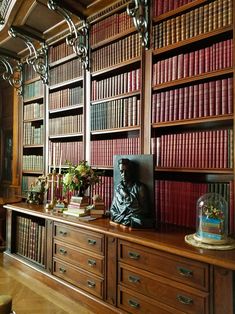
[37, 58]
[139, 11]
[78, 37]
[11, 73]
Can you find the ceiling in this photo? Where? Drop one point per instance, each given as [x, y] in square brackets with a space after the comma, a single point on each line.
[35, 17]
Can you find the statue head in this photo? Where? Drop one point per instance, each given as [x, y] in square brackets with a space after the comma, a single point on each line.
[126, 170]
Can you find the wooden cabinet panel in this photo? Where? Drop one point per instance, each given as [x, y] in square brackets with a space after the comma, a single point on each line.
[86, 239]
[164, 290]
[192, 273]
[79, 278]
[79, 257]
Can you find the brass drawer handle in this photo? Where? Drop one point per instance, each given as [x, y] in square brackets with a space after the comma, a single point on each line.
[91, 242]
[63, 233]
[91, 284]
[185, 272]
[133, 279]
[134, 304]
[91, 262]
[62, 270]
[185, 300]
[134, 255]
[62, 251]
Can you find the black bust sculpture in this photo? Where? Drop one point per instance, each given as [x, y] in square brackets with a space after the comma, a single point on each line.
[130, 206]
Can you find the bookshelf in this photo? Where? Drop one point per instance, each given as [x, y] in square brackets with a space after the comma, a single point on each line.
[192, 107]
[65, 107]
[33, 137]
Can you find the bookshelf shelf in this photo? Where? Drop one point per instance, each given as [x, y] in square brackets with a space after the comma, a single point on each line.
[221, 120]
[197, 39]
[66, 83]
[207, 171]
[34, 120]
[118, 130]
[27, 82]
[35, 98]
[62, 60]
[35, 172]
[113, 38]
[33, 146]
[120, 96]
[115, 67]
[181, 9]
[69, 135]
[67, 108]
[197, 78]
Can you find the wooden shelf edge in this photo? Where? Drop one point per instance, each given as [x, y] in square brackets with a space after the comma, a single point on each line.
[195, 121]
[191, 40]
[192, 79]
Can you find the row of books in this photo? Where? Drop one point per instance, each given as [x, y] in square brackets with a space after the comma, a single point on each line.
[66, 97]
[212, 58]
[26, 182]
[199, 150]
[211, 16]
[117, 52]
[102, 151]
[66, 125]
[176, 202]
[33, 111]
[200, 100]
[59, 51]
[29, 72]
[30, 239]
[65, 72]
[163, 6]
[34, 89]
[32, 163]
[59, 152]
[105, 189]
[116, 85]
[33, 135]
[110, 26]
[118, 113]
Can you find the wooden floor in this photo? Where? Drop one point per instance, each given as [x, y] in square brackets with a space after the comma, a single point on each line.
[30, 296]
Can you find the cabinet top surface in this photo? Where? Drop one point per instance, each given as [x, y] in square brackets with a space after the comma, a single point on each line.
[168, 239]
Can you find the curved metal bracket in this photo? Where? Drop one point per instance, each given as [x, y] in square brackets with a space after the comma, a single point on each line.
[37, 58]
[12, 74]
[77, 38]
[139, 11]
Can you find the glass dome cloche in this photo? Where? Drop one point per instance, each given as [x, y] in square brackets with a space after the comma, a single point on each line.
[212, 219]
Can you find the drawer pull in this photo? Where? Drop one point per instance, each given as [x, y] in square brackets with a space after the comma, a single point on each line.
[91, 262]
[62, 270]
[91, 242]
[63, 233]
[185, 272]
[62, 251]
[133, 279]
[91, 284]
[185, 300]
[133, 255]
[134, 304]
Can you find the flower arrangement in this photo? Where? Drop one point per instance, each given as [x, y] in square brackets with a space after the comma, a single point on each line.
[79, 177]
[211, 211]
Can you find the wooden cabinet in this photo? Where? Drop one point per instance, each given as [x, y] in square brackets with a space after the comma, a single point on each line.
[123, 271]
[180, 283]
[78, 257]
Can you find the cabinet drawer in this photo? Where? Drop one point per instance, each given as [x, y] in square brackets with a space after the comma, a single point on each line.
[176, 295]
[86, 239]
[192, 273]
[79, 257]
[136, 303]
[78, 278]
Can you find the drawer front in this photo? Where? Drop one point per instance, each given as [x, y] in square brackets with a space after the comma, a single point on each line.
[79, 278]
[79, 257]
[86, 239]
[164, 290]
[136, 303]
[184, 270]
